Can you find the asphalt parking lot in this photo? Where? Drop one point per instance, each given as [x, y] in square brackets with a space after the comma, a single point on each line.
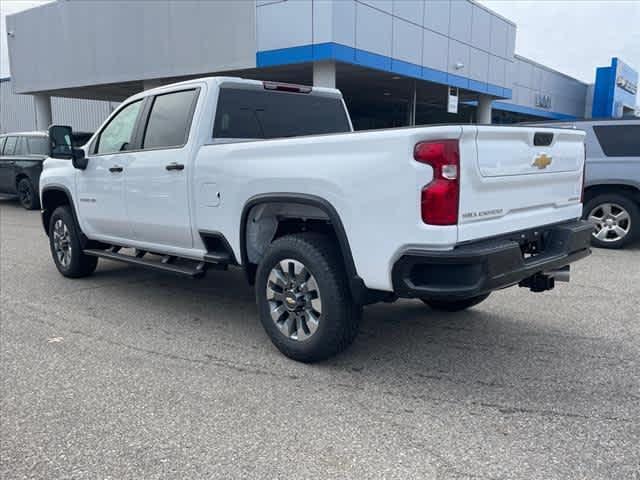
[131, 374]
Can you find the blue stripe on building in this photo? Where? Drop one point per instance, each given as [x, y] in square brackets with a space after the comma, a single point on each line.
[512, 107]
[363, 58]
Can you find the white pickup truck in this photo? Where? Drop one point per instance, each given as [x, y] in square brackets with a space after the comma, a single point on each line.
[219, 172]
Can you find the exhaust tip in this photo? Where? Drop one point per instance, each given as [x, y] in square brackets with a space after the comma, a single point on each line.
[561, 275]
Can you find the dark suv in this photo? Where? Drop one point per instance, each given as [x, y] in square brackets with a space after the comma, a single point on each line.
[21, 157]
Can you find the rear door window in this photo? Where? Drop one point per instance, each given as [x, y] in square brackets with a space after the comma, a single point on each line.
[38, 145]
[619, 140]
[170, 119]
[257, 114]
[2, 140]
[10, 146]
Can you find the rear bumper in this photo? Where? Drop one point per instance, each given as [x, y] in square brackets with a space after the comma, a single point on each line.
[480, 267]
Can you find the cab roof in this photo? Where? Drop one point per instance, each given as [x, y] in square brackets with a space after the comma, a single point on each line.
[236, 81]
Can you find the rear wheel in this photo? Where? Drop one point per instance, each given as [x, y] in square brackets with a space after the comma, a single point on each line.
[455, 305]
[27, 195]
[303, 298]
[64, 241]
[615, 219]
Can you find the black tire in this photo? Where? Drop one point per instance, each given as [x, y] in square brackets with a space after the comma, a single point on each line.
[27, 195]
[78, 264]
[613, 239]
[455, 305]
[339, 319]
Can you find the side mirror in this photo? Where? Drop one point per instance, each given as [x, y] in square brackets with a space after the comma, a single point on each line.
[60, 142]
[79, 160]
[61, 146]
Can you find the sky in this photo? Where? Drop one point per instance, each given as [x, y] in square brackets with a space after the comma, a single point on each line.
[572, 36]
[7, 7]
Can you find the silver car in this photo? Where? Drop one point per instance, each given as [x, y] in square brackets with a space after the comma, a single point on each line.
[612, 184]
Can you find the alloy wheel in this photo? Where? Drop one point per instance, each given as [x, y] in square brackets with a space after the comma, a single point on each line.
[611, 221]
[294, 299]
[62, 243]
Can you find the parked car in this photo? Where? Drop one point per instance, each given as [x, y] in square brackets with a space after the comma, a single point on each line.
[612, 183]
[21, 157]
[215, 172]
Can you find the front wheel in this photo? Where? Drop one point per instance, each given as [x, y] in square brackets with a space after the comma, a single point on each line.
[455, 305]
[304, 299]
[64, 241]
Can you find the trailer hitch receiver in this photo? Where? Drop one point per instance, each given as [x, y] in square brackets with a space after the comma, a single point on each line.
[540, 282]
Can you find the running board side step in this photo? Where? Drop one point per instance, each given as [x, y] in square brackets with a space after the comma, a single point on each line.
[165, 265]
[220, 258]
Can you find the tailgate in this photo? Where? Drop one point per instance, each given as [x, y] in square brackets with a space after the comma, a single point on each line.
[515, 178]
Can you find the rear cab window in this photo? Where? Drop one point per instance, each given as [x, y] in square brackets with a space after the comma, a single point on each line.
[263, 114]
[619, 140]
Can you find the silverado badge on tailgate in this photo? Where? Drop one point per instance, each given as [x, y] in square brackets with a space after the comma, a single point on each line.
[542, 161]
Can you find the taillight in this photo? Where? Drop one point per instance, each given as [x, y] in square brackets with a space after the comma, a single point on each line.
[440, 198]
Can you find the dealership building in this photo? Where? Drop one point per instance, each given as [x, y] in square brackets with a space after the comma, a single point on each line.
[397, 62]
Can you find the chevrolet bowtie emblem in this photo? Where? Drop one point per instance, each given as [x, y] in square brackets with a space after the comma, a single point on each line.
[542, 161]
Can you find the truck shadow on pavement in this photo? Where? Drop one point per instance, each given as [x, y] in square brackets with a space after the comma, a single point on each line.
[496, 355]
[515, 352]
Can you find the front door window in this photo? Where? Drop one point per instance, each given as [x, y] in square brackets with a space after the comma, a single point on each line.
[117, 136]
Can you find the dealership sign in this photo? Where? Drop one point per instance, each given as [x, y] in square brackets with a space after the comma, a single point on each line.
[543, 101]
[615, 90]
[627, 85]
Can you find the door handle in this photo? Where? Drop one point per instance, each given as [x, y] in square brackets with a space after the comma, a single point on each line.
[175, 166]
[116, 169]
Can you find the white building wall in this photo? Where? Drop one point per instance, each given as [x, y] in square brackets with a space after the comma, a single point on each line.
[532, 80]
[458, 42]
[588, 107]
[120, 41]
[458, 37]
[17, 112]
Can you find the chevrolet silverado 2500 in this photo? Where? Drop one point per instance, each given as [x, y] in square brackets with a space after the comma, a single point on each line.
[221, 171]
